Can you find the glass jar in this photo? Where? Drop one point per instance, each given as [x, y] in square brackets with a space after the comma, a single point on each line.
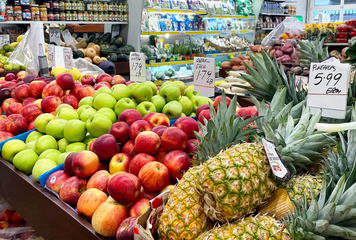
[125, 7]
[86, 16]
[56, 16]
[32, 2]
[100, 16]
[100, 6]
[62, 5]
[91, 16]
[26, 13]
[17, 13]
[43, 13]
[74, 16]
[121, 9]
[68, 16]
[90, 6]
[25, 2]
[62, 16]
[110, 7]
[50, 15]
[48, 4]
[106, 7]
[74, 5]
[106, 16]
[55, 5]
[9, 12]
[81, 6]
[125, 17]
[80, 16]
[35, 12]
[68, 6]
[95, 6]
[95, 16]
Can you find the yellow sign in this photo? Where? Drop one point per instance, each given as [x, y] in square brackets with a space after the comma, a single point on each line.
[278, 206]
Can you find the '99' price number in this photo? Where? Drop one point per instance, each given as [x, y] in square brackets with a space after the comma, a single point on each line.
[205, 75]
[330, 81]
[137, 67]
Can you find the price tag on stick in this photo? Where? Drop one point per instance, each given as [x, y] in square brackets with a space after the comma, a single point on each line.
[68, 39]
[55, 35]
[137, 67]
[68, 58]
[328, 88]
[204, 75]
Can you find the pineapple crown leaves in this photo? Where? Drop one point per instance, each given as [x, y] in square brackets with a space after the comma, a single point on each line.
[312, 51]
[222, 130]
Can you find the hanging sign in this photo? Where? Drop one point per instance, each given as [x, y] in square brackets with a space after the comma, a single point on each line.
[55, 35]
[68, 58]
[68, 39]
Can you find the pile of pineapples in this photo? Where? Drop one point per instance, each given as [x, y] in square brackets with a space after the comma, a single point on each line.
[218, 198]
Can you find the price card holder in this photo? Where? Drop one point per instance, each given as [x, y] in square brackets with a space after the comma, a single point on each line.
[137, 67]
[55, 35]
[204, 75]
[68, 39]
[68, 58]
[4, 39]
[115, 30]
[51, 55]
[328, 88]
[58, 55]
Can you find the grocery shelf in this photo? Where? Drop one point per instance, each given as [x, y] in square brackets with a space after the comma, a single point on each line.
[174, 33]
[62, 22]
[226, 54]
[283, 1]
[50, 217]
[276, 14]
[336, 44]
[169, 63]
[265, 29]
[224, 32]
[173, 11]
[230, 16]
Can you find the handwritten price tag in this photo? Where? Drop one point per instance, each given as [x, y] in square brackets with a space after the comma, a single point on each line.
[204, 75]
[68, 58]
[55, 35]
[137, 67]
[328, 88]
[115, 30]
[51, 55]
[4, 39]
[68, 39]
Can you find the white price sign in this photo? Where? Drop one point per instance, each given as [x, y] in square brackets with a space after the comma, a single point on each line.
[55, 35]
[115, 30]
[68, 39]
[51, 55]
[68, 58]
[328, 88]
[137, 67]
[278, 168]
[4, 39]
[204, 75]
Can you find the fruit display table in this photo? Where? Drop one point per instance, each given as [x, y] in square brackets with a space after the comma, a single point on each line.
[51, 218]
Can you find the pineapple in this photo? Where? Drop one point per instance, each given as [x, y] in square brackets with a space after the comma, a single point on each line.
[309, 52]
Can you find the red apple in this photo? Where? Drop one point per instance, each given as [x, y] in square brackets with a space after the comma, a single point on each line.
[88, 79]
[103, 77]
[154, 176]
[105, 147]
[5, 135]
[103, 166]
[2, 126]
[160, 155]
[28, 101]
[99, 180]
[50, 103]
[22, 92]
[6, 104]
[148, 115]
[89, 201]
[102, 84]
[204, 114]
[13, 94]
[72, 189]
[31, 126]
[188, 126]
[68, 164]
[191, 147]
[9, 85]
[174, 139]
[16, 124]
[126, 229]
[5, 93]
[124, 187]
[10, 77]
[248, 112]
[159, 130]
[14, 108]
[56, 179]
[128, 148]
[4, 224]
[16, 218]
[145, 194]
[65, 81]
[218, 100]
[117, 79]
[139, 207]
[6, 216]
[147, 142]
[71, 100]
[21, 74]
[30, 112]
[85, 164]
[130, 82]
[36, 88]
[75, 90]
[139, 161]
[137, 127]
[52, 90]
[201, 108]
[130, 116]
[159, 119]
[120, 130]
[85, 92]
[120, 162]
[177, 162]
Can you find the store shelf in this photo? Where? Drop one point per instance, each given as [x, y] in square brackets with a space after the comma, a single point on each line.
[336, 44]
[52, 219]
[282, 1]
[276, 14]
[169, 63]
[173, 11]
[62, 22]
[230, 32]
[174, 33]
[230, 16]
[226, 54]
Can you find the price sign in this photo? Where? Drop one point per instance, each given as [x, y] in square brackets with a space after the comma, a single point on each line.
[51, 55]
[137, 67]
[115, 30]
[328, 88]
[55, 35]
[4, 39]
[204, 75]
[68, 58]
[68, 39]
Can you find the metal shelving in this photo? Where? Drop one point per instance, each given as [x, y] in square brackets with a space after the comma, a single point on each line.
[62, 22]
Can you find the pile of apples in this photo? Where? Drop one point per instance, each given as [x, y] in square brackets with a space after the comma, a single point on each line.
[11, 219]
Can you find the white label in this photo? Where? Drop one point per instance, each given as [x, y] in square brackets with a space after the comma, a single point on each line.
[85, 35]
[328, 88]
[182, 33]
[331, 60]
[204, 75]
[302, 79]
[68, 39]
[226, 32]
[58, 55]
[53, 180]
[4, 39]
[115, 30]
[137, 67]
[51, 55]
[68, 58]
[55, 35]
[275, 162]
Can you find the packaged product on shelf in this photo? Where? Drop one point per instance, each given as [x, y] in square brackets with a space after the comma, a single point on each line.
[231, 6]
[154, 24]
[183, 4]
[189, 23]
[225, 7]
[156, 3]
[212, 24]
[196, 5]
[165, 3]
[175, 4]
[210, 7]
[201, 5]
[218, 7]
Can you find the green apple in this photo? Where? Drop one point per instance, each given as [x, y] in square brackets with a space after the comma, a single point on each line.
[121, 91]
[62, 157]
[132, 86]
[62, 144]
[109, 113]
[42, 121]
[76, 147]
[11, 148]
[42, 166]
[166, 83]
[193, 114]
[172, 110]
[25, 160]
[183, 115]
[181, 86]
[159, 102]
[198, 101]
[191, 93]
[104, 100]
[67, 114]
[86, 101]
[98, 125]
[75, 131]
[33, 136]
[87, 113]
[153, 86]
[31, 145]
[45, 142]
[170, 92]
[123, 104]
[82, 109]
[135, 102]
[186, 104]
[87, 138]
[103, 90]
[55, 128]
[50, 154]
[63, 105]
[146, 107]
[88, 144]
[142, 92]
